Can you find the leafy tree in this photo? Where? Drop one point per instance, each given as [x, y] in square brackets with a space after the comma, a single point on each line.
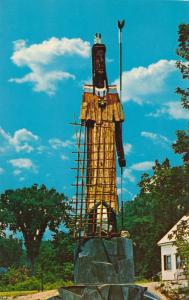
[10, 252]
[183, 52]
[63, 245]
[162, 201]
[31, 211]
[182, 144]
[55, 260]
[46, 264]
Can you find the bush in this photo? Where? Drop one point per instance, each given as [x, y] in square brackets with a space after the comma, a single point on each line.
[30, 284]
[68, 271]
[57, 284]
[50, 269]
[13, 276]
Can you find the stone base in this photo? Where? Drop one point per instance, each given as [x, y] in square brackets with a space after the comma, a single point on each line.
[103, 270]
[102, 261]
[103, 292]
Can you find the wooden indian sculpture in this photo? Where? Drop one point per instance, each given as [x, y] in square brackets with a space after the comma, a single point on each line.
[100, 135]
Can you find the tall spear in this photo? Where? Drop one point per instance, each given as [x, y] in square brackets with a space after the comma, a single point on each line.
[120, 27]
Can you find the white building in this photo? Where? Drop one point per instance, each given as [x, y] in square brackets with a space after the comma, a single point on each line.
[171, 265]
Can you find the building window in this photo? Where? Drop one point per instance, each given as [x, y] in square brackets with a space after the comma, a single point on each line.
[179, 263]
[167, 262]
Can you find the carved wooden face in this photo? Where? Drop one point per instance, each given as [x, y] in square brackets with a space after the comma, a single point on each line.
[100, 61]
[99, 68]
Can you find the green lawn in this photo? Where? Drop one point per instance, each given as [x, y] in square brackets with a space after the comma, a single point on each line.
[17, 293]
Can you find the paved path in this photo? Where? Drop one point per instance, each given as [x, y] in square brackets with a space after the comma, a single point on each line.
[152, 288]
[38, 296]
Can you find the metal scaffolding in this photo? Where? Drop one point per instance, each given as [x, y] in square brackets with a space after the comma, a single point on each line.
[95, 202]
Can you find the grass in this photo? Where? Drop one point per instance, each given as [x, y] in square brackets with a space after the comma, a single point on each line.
[141, 280]
[17, 293]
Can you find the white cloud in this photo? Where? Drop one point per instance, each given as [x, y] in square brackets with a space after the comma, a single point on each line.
[143, 81]
[22, 178]
[44, 81]
[5, 135]
[124, 190]
[68, 143]
[173, 109]
[40, 57]
[17, 172]
[64, 157]
[77, 135]
[1, 171]
[43, 53]
[157, 138]
[118, 179]
[41, 149]
[57, 143]
[2, 149]
[127, 173]
[21, 139]
[85, 81]
[109, 60]
[142, 166]
[150, 135]
[22, 163]
[127, 148]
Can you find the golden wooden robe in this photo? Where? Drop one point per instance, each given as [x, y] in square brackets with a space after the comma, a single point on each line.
[101, 150]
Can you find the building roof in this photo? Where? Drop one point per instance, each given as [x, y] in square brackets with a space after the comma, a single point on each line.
[165, 239]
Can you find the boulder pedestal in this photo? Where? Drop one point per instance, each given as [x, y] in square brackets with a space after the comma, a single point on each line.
[99, 261]
[103, 270]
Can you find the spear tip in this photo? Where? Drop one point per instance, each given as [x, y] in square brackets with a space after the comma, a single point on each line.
[121, 24]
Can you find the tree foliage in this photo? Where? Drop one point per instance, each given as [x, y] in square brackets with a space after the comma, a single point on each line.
[10, 252]
[162, 201]
[182, 144]
[181, 239]
[181, 234]
[183, 52]
[63, 245]
[31, 211]
[55, 260]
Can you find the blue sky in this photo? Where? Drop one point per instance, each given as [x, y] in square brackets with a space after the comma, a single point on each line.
[44, 61]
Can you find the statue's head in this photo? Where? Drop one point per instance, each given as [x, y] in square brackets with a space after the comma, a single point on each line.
[98, 63]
